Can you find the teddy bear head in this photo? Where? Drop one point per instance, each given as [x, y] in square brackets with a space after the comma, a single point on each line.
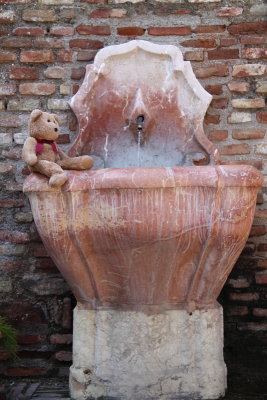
[43, 125]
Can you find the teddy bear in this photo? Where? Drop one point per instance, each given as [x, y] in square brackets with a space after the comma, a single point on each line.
[41, 153]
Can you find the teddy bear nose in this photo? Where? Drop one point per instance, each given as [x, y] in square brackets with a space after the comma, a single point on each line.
[56, 129]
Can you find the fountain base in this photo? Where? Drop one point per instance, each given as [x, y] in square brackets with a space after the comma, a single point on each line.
[133, 355]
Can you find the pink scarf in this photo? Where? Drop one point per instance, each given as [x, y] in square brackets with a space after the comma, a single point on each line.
[40, 144]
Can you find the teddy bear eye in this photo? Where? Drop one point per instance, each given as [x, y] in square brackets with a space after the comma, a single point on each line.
[48, 120]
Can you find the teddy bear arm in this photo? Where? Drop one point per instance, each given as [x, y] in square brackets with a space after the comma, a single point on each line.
[29, 151]
[62, 155]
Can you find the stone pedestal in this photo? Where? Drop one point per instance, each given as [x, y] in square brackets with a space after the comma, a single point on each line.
[133, 355]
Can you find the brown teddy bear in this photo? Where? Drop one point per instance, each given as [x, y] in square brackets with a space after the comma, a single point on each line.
[41, 153]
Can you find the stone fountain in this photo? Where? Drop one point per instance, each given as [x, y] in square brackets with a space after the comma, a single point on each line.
[147, 240]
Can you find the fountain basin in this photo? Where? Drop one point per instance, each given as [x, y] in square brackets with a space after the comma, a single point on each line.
[142, 237]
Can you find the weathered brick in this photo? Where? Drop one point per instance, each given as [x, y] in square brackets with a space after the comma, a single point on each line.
[259, 10]
[28, 31]
[235, 149]
[56, 2]
[7, 17]
[257, 230]
[62, 31]
[49, 43]
[23, 217]
[261, 87]
[15, 43]
[7, 89]
[11, 203]
[23, 73]
[6, 167]
[225, 42]
[64, 355]
[61, 339]
[65, 56]
[211, 71]
[214, 89]
[248, 27]
[243, 296]
[130, 31]
[204, 1]
[14, 236]
[9, 120]
[209, 29]
[108, 13]
[28, 339]
[86, 55]
[194, 55]
[12, 249]
[57, 104]
[37, 89]
[219, 103]
[77, 73]
[218, 136]
[212, 119]
[39, 250]
[36, 57]
[239, 87]
[7, 57]
[262, 117]
[239, 118]
[85, 44]
[5, 285]
[252, 39]
[222, 54]
[2, 105]
[205, 43]
[65, 90]
[244, 70]
[5, 139]
[251, 326]
[13, 186]
[254, 53]
[23, 105]
[248, 103]
[26, 371]
[39, 15]
[236, 311]
[261, 277]
[20, 137]
[261, 148]
[239, 283]
[54, 72]
[168, 31]
[228, 11]
[103, 30]
[44, 286]
[260, 312]
[241, 134]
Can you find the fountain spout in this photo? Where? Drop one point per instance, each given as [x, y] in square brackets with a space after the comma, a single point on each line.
[140, 132]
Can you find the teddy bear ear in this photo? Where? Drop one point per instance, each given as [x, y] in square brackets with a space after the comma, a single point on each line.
[35, 115]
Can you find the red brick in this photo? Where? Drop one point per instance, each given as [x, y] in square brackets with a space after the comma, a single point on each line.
[77, 73]
[15, 43]
[248, 27]
[245, 134]
[65, 56]
[14, 236]
[222, 54]
[262, 117]
[262, 247]
[168, 31]
[64, 355]
[252, 39]
[11, 203]
[240, 87]
[95, 1]
[9, 121]
[236, 311]
[86, 55]
[252, 326]
[36, 57]
[29, 31]
[261, 278]
[261, 214]
[62, 31]
[209, 29]
[75, 89]
[22, 312]
[218, 136]
[259, 312]
[235, 149]
[7, 17]
[7, 57]
[244, 70]
[64, 138]
[244, 296]
[224, 42]
[130, 31]
[261, 263]
[103, 30]
[7, 89]
[219, 103]
[23, 73]
[73, 124]
[24, 371]
[257, 230]
[204, 43]
[3, 357]
[28, 339]
[37, 89]
[85, 44]
[239, 283]
[228, 11]
[9, 265]
[210, 71]
[214, 89]
[100, 14]
[260, 199]
[49, 43]
[254, 53]
[2, 32]
[212, 119]
[39, 250]
[46, 264]
[61, 339]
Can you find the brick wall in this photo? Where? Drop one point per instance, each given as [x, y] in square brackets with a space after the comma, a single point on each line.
[45, 46]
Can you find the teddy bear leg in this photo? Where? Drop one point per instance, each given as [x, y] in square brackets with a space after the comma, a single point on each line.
[78, 163]
[52, 170]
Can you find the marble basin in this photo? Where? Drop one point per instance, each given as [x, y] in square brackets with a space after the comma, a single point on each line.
[162, 237]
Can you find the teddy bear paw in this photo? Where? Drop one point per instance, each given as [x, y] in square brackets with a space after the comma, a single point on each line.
[86, 162]
[57, 180]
